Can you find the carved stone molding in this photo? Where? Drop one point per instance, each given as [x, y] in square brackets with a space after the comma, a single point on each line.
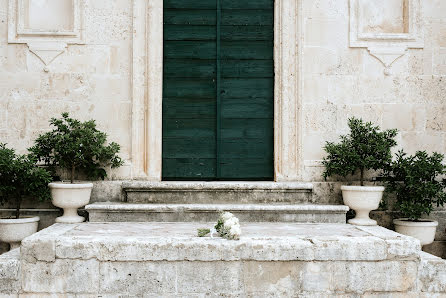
[387, 28]
[287, 86]
[46, 26]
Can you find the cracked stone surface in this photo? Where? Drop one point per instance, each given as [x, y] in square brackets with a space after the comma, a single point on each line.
[169, 260]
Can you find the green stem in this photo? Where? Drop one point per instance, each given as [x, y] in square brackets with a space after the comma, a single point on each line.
[17, 208]
[362, 177]
[72, 173]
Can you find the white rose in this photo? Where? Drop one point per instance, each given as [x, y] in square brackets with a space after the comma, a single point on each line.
[226, 216]
[235, 232]
[231, 222]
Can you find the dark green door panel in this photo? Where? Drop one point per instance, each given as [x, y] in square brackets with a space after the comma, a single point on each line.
[218, 90]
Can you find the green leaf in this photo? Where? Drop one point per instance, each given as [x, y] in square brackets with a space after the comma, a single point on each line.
[417, 183]
[366, 147]
[78, 146]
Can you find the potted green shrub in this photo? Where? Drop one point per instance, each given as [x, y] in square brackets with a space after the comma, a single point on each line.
[76, 147]
[20, 178]
[418, 185]
[365, 148]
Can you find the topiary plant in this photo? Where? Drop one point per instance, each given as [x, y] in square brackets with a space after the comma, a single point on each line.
[20, 177]
[364, 148]
[417, 183]
[76, 146]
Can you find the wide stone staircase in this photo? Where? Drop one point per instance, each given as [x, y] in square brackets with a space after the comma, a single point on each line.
[147, 246]
[201, 202]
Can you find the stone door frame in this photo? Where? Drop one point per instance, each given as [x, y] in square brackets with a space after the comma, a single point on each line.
[147, 85]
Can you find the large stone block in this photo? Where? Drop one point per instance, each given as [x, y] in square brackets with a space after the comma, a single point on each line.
[432, 274]
[13, 57]
[379, 88]
[384, 276]
[404, 117]
[439, 61]
[435, 118]
[319, 118]
[108, 28]
[328, 32]
[429, 141]
[367, 112]
[216, 277]
[107, 191]
[272, 278]
[325, 9]
[138, 278]
[312, 149]
[61, 276]
[315, 89]
[41, 246]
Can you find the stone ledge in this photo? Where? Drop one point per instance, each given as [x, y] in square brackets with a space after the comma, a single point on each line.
[217, 185]
[237, 192]
[132, 212]
[271, 259]
[178, 241]
[113, 206]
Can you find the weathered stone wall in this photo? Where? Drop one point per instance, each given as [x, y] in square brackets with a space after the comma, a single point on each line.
[340, 82]
[91, 80]
[168, 260]
[94, 80]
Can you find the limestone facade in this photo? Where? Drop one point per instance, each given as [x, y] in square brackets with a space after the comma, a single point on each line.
[114, 76]
[111, 71]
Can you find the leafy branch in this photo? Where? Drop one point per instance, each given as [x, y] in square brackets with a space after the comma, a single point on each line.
[417, 182]
[76, 146]
[364, 148]
[21, 177]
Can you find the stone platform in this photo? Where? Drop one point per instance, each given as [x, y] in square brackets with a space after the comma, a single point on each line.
[270, 260]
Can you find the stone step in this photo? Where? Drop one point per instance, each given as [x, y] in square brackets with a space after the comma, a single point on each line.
[220, 192]
[269, 260]
[131, 212]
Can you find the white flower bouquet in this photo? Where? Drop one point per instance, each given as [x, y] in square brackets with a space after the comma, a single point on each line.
[228, 227]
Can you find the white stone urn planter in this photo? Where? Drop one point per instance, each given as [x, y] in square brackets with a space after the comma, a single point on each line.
[423, 230]
[13, 230]
[362, 199]
[70, 197]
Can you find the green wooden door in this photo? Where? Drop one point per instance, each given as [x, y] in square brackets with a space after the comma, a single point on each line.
[218, 88]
